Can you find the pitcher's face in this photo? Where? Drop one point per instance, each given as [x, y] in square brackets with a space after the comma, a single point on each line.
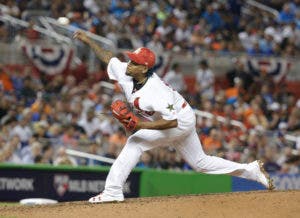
[134, 69]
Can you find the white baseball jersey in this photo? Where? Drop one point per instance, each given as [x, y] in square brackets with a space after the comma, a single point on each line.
[156, 100]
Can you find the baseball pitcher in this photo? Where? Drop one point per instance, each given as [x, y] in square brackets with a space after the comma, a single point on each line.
[168, 120]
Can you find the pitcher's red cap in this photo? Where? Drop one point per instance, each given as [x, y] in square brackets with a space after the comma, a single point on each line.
[143, 56]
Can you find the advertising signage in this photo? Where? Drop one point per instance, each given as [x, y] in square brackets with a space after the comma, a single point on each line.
[17, 184]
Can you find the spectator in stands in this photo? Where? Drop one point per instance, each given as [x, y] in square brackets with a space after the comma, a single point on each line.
[266, 44]
[10, 118]
[257, 118]
[77, 20]
[294, 118]
[22, 129]
[124, 40]
[255, 49]
[47, 154]
[61, 158]
[281, 142]
[90, 123]
[286, 15]
[95, 149]
[175, 78]
[213, 142]
[218, 104]
[4, 105]
[30, 152]
[3, 32]
[182, 34]
[269, 159]
[40, 107]
[11, 8]
[118, 139]
[111, 151]
[55, 131]
[40, 129]
[156, 45]
[69, 138]
[239, 71]
[291, 34]
[159, 158]
[28, 91]
[297, 19]
[59, 8]
[5, 81]
[232, 93]
[164, 30]
[212, 18]
[233, 152]
[12, 150]
[247, 38]
[173, 160]
[205, 80]
[267, 94]
[145, 160]
[198, 36]
[119, 8]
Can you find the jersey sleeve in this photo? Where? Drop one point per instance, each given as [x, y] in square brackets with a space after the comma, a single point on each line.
[116, 69]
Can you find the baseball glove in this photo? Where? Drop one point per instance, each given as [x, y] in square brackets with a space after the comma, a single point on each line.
[124, 115]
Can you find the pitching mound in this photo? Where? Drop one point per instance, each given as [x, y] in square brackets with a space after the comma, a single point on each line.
[245, 204]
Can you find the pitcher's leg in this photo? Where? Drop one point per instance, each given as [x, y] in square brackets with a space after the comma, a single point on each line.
[137, 143]
[121, 168]
[191, 150]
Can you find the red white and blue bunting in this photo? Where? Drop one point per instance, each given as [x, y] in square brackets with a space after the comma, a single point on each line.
[277, 68]
[51, 60]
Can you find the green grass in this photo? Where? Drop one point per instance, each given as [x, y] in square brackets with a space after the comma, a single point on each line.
[8, 204]
[8, 216]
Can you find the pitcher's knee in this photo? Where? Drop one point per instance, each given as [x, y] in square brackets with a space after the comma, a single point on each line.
[201, 169]
[201, 164]
[134, 148]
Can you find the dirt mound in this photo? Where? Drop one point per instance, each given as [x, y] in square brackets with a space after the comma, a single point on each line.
[243, 204]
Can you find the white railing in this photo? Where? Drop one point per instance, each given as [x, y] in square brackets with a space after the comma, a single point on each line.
[44, 31]
[81, 154]
[263, 7]
[69, 28]
[221, 119]
[107, 85]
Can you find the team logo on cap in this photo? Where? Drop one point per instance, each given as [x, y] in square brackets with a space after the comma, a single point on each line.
[137, 50]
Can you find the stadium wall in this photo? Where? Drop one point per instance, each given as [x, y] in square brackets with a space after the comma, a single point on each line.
[64, 183]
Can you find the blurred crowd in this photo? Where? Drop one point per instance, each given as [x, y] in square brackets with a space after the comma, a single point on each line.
[40, 117]
[181, 25]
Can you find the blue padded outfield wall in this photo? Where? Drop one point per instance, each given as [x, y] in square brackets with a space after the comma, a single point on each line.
[239, 184]
[66, 183]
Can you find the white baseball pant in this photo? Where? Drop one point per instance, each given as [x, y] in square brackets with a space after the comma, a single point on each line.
[186, 141]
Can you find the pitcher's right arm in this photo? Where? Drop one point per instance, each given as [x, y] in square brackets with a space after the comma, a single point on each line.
[101, 53]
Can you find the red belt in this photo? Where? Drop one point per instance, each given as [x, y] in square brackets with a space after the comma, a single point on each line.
[184, 104]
